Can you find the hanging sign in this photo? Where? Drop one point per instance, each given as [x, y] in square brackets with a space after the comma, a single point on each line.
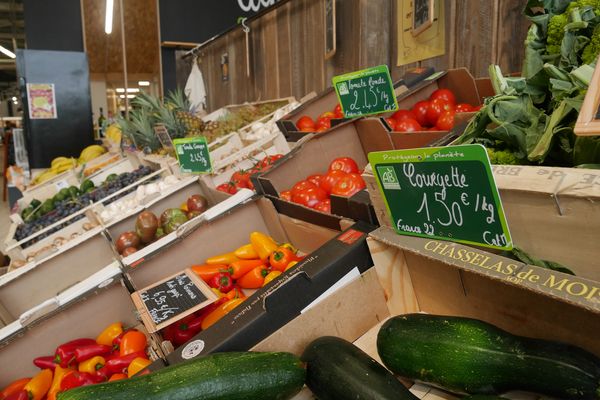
[444, 193]
[366, 92]
[172, 299]
[193, 155]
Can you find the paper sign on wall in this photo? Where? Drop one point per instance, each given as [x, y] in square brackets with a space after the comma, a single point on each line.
[42, 101]
[444, 193]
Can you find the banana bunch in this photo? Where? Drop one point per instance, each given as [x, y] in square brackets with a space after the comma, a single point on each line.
[91, 152]
[113, 133]
[43, 177]
[62, 164]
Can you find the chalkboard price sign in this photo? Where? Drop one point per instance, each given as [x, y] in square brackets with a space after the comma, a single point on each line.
[193, 155]
[172, 299]
[444, 193]
[366, 92]
[422, 15]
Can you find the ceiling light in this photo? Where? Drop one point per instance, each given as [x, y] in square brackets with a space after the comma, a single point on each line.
[14, 98]
[144, 83]
[130, 96]
[15, 103]
[122, 96]
[7, 52]
[133, 90]
[120, 90]
[108, 21]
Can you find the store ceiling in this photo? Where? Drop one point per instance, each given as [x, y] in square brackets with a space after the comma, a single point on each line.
[12, 34]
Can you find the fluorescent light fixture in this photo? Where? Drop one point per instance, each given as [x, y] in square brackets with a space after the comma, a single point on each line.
[130, 96]
[133, 90]
[122, 96]
[108, 21]
[144, 83]
[14, 98]
[15, 103]
[120, 90]
[7, 52]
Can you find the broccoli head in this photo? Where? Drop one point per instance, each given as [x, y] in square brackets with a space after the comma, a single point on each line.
[502, 157]
[595, 4]
[591, 51]
[556, 32]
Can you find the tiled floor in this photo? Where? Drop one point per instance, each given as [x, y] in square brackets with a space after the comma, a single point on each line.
[4, 210]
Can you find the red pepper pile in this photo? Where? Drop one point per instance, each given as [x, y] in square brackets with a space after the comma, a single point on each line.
[115, 354]
[241, 179]
[341, 179]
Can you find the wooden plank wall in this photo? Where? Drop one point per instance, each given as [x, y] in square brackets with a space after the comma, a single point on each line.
[287, 56]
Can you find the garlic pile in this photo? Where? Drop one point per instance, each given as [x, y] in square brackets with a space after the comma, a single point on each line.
[129, 203]
[260, 130]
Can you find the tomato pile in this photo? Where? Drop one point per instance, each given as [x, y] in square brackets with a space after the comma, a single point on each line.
[341, 179]
[115, 354]
[435, 114]
[323, 122]
[241, 179]
[251, 266]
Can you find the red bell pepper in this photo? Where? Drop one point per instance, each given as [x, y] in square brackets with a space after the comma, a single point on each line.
[117, 341]
[182, 331]
[119, 365]
[65, 353]
[93, 350]
[46, 362]
[222, 281]
[20, 395]
[76, 379]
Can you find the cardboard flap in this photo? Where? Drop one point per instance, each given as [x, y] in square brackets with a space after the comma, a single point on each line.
[373, 135]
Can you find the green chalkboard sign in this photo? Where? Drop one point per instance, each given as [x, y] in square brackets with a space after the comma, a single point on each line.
[193, 155]
[366, 92]
[444, 193]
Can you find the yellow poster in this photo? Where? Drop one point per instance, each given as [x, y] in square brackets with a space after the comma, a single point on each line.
[428, 43]
[42, 101]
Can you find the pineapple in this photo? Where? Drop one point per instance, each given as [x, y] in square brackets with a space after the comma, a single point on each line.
[139, 129]
[194, 126]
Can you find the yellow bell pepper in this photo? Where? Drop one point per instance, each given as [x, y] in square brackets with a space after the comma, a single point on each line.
[290, 247]
[246, 252]
[59, 374]
[109, 334]
[272, 275]
[39, 385]
[291, 264]
[224, 259]
[137, 365]
[92, 365]
[263, 244]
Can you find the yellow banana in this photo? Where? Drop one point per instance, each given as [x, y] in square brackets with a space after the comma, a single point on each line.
[57, 161]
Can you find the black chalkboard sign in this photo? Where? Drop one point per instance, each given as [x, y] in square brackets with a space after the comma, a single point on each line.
[422, 15]
[330, 29]
[172, 299]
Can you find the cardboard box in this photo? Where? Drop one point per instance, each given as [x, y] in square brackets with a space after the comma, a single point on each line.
[314, 104]
[275, 305]
[552, 213]
[83, 311]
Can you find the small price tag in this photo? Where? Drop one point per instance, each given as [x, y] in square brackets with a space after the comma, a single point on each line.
[366, 92]
[61, 185]
[193, 155]
[444, 193]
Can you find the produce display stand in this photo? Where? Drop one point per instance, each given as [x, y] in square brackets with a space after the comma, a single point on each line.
[83, 311]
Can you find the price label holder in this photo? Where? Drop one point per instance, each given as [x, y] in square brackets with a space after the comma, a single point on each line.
[172, 299]
[446, 193]
[193, 155]
[366, 92]
[164, 138]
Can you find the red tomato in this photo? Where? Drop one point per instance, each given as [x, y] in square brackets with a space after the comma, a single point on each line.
[286, 195]
[349, 185]
[227, 188]
[300, 186]
[316, 179]
[391, 122]
[238, 184]
[324, 122]
[241, 176]
[308, 129]
[337, 111]
[420, 112]
[446, 121]
[408, 125]
[310, 197]
[404, 114]
[463, 107]
[326, 115]
[443, 94]
[305, 122]
[324, 206]
[477, 108]
[436, 108]
[330, 179]
[321, 129]
[345, 164]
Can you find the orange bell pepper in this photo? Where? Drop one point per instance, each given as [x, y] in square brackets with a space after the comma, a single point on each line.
[242, 267]
[14, 387]
[280, 258]
[39, 385]
[272, 275]
[59, 374]
[137, 365]
[290, 265]
[290, 247]
[263, 244]
[220, 312]
[109, 334]
[92, 365]
[132, 342]
[253, 279]
[117, 377]
[226, 259]
[246, 252]
[208, 271]
[235, 293]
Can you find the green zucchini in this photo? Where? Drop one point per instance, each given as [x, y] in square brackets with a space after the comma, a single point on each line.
[224, 376]
[338, 370]
[471, 356]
